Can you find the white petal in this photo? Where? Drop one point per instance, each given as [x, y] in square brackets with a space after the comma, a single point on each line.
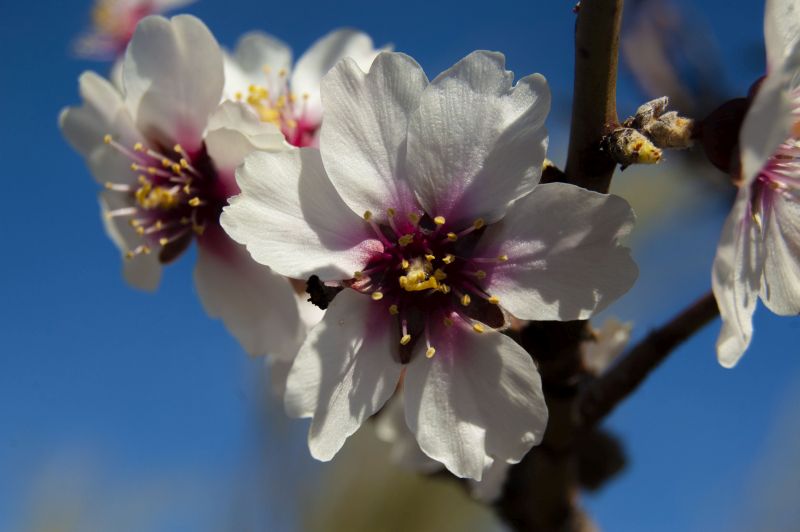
[291, 218]
[769, 119]
[321, 57]
[565, 259]
[142, 271]
[102, 113]
[736, 280]
[781, 29]
[344, 372]
[780, 290]
[257, 305]
[234, 131]
[391, 428]
[173, 78]
[477, 400]
[363, 136]
[476, 142]
[609, 342]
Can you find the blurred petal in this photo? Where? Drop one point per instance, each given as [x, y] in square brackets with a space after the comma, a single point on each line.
[781, 29]
[257, 305]
[173, 78]
[780, 289]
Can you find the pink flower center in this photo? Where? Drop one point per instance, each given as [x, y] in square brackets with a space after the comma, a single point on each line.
[175, 197]
[428, 272]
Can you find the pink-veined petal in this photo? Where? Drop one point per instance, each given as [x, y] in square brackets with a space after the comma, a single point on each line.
[477, 142]
[173, 76]
[780, 289]
[478, 399]
[343, 373]
[565, 261]
[291, 218]
[736, 280]
[781, 29]
[363, 137]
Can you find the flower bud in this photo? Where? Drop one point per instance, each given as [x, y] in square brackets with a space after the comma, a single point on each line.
[627, 146]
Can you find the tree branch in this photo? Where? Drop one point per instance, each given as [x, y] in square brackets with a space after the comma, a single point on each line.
[604, 394]
[594, 98]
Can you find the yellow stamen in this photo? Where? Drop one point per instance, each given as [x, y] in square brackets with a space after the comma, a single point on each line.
[405, 339]
[405, 240]
[405, 264]
[107, 138]
[430, 258]
[138, 147]
[439, 275]
[194, 202]
[480, 274]
[439, 220]
[465, 300]
[377, 296]
[368, 215]
[452, 237]
[393, 310]
[503, 258]
[448, 259]
[477, 224]
[448, 322]
[494, 300]
[430, 352]
[391, 212]
[477, 327]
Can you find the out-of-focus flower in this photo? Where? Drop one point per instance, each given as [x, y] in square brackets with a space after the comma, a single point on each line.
[608, 343]
[436, 256]
[166, 150]
[260, 73]
[113, 24]
[759, 251]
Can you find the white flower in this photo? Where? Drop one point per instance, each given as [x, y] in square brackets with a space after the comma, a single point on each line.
[436, 256]
[166, 151]
[260, 74]
[608, 343]
[113, 24]
[759, 251]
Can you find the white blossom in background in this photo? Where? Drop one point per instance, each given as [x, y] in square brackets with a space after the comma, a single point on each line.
[759, 251]
[609, 342]
[113, 24]
[260, 73]
[165, 151]
[421, 203]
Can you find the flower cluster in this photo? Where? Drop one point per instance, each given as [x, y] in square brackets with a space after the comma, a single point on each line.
[419, 200]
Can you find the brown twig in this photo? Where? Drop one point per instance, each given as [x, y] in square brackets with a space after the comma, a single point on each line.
[602, 395]
[594, 106]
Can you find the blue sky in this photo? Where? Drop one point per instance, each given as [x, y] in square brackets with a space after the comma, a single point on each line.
[117, 387]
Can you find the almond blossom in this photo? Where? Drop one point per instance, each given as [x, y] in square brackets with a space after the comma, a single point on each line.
[421, 203]
[113, 24]
[260, 74]
[759, 251]
[165, 151]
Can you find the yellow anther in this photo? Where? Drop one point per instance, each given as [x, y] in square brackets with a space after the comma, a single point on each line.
[448, 322]
[139, 230]
[134, 167]
[129, 254]
[393, 310]
[238, 96]
[194, 202]
[430, 352]
[405, 339]
[199, 229]
[405, 264]
[107, 139]
[368, 215]
[282, 72]
[391, 212]
[178, 148]
[403, 280]
[185, 220]
[465, 300]
[439, 220]
[448, 259]
[445, 289]
[494, 300]
[430, 258]
[143, 180]
[163, 241]
[159, 225]
[138, 147]
[166, 163]
[175, 168]
[358, 275]
[439, 275]
[477, 327]
[146, 250]
[477, 224]
[480, 274]
[452, 237]
[413, 217]
[377, 296]
[187, 189]
[503, 258]
[405, 240]
[152, 170]
[184, 163]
